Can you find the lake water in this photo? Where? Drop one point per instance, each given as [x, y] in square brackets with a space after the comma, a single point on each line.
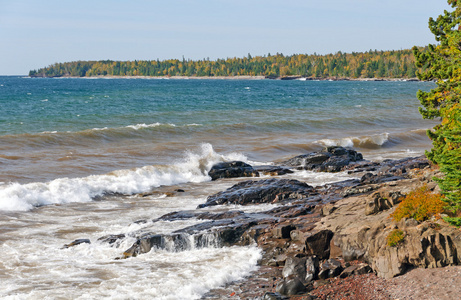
[69, 149]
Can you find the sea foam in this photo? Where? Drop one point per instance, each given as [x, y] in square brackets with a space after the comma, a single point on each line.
[193, 168]
[371, 141]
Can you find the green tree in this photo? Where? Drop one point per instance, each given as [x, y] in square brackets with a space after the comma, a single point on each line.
[442, 63]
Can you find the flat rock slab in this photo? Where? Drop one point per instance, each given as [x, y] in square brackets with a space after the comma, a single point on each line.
[332, 159]
[263, 191]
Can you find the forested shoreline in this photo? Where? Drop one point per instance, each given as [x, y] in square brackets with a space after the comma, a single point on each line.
[371, 64]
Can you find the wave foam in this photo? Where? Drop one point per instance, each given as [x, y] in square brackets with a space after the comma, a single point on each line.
[372, 141]
[140, 126]
[134, 127]
[194, 168]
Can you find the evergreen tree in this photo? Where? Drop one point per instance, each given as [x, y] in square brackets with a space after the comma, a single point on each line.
[443, 64]
[368, 64]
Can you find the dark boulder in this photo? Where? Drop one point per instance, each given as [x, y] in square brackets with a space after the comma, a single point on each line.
[312, 268]
[263, 191]
[217, 232]
[319, 244]
[290, 286]
[306, 269]
[403, 166]
[330, 268]
[295, 267]
[232, 169]
[332, 159]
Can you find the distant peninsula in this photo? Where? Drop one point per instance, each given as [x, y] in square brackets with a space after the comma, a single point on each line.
[398, 64]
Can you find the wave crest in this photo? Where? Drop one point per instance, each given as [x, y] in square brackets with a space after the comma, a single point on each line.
[373, 141]
[193, 168]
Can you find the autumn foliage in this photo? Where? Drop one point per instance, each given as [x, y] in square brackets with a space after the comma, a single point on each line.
[371, 64]
[395, 237]
[420, 205]
[442, 63]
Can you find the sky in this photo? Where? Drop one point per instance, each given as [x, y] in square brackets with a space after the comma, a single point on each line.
[35, 34]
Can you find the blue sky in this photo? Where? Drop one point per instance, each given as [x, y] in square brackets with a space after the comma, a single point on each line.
[35, 34]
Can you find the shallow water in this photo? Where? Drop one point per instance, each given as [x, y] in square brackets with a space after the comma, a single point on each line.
[74, 153]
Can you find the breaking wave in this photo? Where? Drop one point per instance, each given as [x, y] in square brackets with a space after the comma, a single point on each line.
[373, 141]
[193, 168]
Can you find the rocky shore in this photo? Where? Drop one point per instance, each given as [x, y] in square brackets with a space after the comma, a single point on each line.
[319, 242]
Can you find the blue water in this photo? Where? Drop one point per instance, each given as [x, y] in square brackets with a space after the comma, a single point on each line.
[52, 128]
[34, 105]
[74, 153]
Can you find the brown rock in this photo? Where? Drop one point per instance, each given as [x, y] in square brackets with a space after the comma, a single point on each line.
[364, 236]
[378, 202]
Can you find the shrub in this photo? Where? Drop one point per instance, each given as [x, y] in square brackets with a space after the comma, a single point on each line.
[420, 205]
[455, 221]
[395, 237]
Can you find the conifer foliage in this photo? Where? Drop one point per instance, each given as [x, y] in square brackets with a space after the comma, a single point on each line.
[442, 63]
[371, 64]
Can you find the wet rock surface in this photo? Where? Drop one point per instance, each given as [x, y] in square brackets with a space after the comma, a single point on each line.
[231, 170]
[76, 242]
[273, 170]
[332, 159]
[315, 234]
[263, 191]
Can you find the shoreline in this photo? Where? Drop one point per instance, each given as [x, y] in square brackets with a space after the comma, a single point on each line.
[342, 225]
[359, 227]
[242, 77]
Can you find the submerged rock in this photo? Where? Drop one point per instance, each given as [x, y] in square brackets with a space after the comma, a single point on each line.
[111, 238]
[231, 170]
[332, 159]
[273, 170]
[76, 242]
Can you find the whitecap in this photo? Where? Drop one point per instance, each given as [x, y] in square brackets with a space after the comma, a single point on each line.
[193, 168]
[362, 141]
[140, 126]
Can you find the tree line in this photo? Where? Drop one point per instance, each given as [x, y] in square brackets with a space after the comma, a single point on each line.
[371, 64]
